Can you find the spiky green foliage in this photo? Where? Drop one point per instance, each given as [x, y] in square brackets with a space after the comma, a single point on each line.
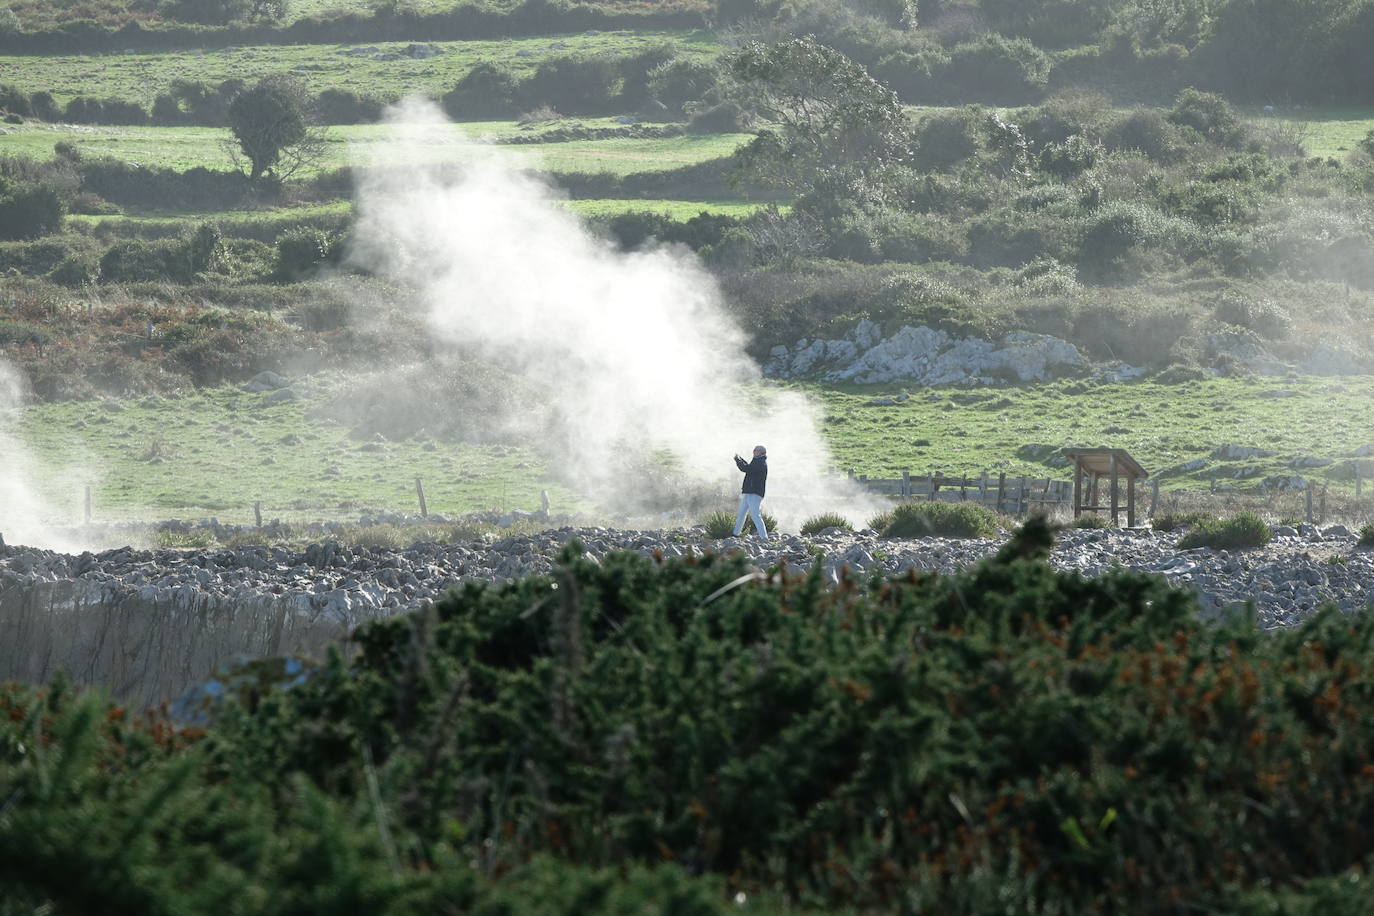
[1367, 536]
[721, 524]
[1242, 530]
[937, 519]
[1091, 520]
[818, 523]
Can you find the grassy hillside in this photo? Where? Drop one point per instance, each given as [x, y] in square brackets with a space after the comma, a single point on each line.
[183, 148]
[140, 76]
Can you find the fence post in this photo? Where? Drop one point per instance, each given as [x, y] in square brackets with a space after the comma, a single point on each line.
[1321, 515]
[420, 491]
[1001, 489]
[933, 485]
[257, 513]
[1154, 496]
[1308, 490]
[906, 483]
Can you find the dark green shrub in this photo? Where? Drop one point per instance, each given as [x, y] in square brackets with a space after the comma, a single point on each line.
[488, 90]
[1210, 115]
[940, 519]
[1092, 520]
[1245, 529]
[636, 69]
[140, 261]
[206, 12]
[30, 211]
[1367, 536]
[76, 270]
[881, 521]
[1071, 158]
[681, 80]
[343, 106]
[574, 84]
[945, 140]
[992, 68]
[1147, 131]
[300, 252]
[1263, 316]
[818, 523]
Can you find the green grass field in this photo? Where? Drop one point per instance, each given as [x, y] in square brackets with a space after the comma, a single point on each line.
[1326, 131]
[218, 451]
[140, 76]
[186, 147]
[1162, 426]
[208, 453]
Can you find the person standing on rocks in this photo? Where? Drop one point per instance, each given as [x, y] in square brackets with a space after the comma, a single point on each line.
[751, 494]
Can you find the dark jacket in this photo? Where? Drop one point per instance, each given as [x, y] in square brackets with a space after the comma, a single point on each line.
[755, 474]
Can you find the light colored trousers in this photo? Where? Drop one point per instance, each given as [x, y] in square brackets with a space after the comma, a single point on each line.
[750, 504]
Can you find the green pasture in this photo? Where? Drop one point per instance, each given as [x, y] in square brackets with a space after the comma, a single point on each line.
[1326, 131]
[141, 76]
[216, 452]
[183, 148]
[964, 432]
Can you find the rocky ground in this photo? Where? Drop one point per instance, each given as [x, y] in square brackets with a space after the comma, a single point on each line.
[1296, 573]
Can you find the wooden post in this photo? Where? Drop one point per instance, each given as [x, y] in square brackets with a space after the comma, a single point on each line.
[257, 513]
[1001, 489]
[851, 473]
[962, 494]
[88, 504]
[1321, 514]
[1154, 496]
[1116, 512]
[420, 492]
[983, 488]
[1092, 491]
[1309, 503]
[1077, 488]
[1130, 501]
[906, 483]
[933, 486]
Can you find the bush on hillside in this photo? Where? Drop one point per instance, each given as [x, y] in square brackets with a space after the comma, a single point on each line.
[681, 80]
[940, 519]
[1210, 115]
[1367, 536]
[818, 523]
[1147, 131]
[28, 211]
[300, 253]
[995, 69]
[488, 90]
[1240, 531]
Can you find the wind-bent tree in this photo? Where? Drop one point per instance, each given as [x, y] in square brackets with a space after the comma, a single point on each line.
[270, 125]
[826, 114]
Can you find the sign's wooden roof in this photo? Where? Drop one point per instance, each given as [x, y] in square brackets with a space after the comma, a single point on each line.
[1098, 461]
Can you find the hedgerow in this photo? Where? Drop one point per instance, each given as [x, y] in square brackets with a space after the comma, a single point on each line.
[1011, 738]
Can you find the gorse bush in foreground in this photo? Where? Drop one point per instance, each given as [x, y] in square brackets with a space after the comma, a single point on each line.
[818, 523]
[1244, 529]
[937, 519]
[1009, 739]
